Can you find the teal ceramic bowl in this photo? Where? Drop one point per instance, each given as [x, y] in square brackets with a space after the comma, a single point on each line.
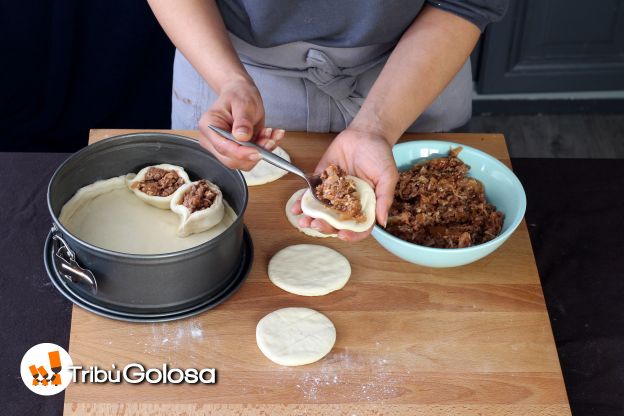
[502, 188]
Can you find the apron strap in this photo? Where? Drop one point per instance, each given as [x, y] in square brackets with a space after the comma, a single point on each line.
[325, 83]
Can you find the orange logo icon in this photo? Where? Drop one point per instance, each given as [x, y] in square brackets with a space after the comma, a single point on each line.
[45, 369]
[55, 366]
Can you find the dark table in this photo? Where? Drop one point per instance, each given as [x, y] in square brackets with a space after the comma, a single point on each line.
[575, 215]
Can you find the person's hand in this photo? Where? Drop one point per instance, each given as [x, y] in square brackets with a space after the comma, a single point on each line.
[238, 109]
[369, 157]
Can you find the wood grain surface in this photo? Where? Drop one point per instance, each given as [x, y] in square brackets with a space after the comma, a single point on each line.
[473, 340]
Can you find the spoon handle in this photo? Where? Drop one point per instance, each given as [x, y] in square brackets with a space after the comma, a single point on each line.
[265, 154]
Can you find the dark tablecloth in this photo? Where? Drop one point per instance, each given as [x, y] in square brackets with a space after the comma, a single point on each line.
[575, 215]
[31, 310]
[576, 222]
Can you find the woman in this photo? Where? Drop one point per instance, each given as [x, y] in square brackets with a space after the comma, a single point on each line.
[369, 69]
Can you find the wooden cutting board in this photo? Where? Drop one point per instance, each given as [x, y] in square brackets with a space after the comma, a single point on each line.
[473, 340]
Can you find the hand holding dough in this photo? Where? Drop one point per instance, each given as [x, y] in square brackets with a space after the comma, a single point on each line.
[190, 201]
[313, 208]
[294, 218]
[135, 183]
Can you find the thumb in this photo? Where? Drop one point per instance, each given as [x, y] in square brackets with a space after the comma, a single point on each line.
[321, 166]
[384, 192]
[242, 124]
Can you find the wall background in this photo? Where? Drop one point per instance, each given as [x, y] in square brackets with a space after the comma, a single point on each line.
[71, 65]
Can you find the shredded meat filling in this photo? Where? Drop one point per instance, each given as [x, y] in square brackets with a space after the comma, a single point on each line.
[160, 182]
[340, 193]
[437, 205]
[199, 197]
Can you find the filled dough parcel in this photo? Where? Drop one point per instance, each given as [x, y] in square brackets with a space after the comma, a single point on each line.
[156, 184]
[295, 336]
[294, 218]
[309, 270]
[350, 201]
[264, 172]
[199, 205]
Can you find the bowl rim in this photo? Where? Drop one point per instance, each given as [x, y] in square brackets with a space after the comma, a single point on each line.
[132, 256]
[479, 247]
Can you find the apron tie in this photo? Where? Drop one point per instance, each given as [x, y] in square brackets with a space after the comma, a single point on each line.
[325, 83]
[323, 74]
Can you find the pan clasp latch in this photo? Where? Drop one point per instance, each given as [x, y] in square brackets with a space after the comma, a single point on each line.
[68, 266]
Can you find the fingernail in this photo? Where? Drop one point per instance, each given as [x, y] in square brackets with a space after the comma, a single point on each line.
[254, 156]
[242, 131]
[270, 144]
[314, 224]
[280, 134]
[342, 237]
[268, 131]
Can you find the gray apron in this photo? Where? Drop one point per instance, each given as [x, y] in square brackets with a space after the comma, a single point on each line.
[306, 87]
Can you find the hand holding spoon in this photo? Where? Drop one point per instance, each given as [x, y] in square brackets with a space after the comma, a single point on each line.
[312, 180]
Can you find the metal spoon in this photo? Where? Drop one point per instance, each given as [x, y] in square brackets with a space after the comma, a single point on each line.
[312, 180]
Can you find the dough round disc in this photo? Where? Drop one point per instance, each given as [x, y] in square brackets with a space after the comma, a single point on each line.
[295, 336]
[265, 172]
[294, 219]
[313, 208]
[309, 270]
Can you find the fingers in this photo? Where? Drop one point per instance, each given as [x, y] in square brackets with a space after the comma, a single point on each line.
[239, 157]
[231, 163]
[384, 192]
[229, 153]
[269, 138]
[235, 156]
[296, 208]
[305, 222]
[323, 227]
[239, 110]
[244, 118]
[352, 236]
[317, 224]
[322, 165]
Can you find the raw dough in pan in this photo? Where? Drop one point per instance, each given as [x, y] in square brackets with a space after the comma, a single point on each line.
[295, 336]
[86, 194]
[107, 214]
[309, 270]
[294, 219]
[264, 172]
[157, 201]
[313, 208]
[192, 222]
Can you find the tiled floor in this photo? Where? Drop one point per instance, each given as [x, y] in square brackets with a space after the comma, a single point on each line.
[560, 136]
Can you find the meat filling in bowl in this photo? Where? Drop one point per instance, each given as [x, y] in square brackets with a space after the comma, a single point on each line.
[340, 193]
[160, 182]
[437, 205]
[199, 197]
